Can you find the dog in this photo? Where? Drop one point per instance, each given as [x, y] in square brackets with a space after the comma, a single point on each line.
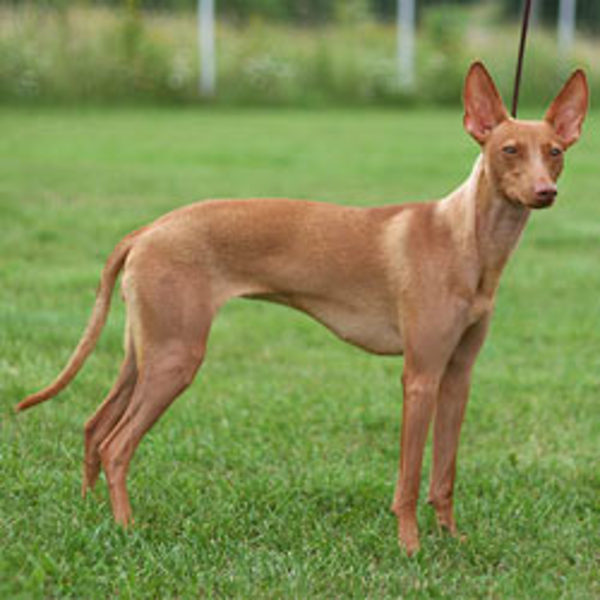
[413, 279]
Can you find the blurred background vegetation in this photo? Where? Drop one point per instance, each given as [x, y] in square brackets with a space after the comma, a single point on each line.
[277, 52]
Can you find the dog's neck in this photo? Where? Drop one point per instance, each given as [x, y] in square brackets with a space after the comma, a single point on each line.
[493, 223]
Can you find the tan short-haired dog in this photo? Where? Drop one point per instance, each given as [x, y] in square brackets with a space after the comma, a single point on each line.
[412, 279]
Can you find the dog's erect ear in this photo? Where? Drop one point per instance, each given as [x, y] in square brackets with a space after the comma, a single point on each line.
[484, 108]
[567, 112]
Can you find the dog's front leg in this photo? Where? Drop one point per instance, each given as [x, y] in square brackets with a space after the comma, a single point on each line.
[420, 394]
[449, 415]
[431, 336]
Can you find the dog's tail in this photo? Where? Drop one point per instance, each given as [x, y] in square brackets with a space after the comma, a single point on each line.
[94, 327]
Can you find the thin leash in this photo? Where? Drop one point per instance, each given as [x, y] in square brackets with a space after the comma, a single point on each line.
[524, 29]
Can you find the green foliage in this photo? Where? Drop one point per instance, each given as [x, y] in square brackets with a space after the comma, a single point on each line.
[300, 11]
[53, 57]
[587, 12]
[291, 11]
[443, 54]
[272, 476]
[82, 54]
[387, 9]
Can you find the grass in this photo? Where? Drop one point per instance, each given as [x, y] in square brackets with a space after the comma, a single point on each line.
[272, 476]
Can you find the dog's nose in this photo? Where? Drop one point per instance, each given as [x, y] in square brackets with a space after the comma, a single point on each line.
[545, 193]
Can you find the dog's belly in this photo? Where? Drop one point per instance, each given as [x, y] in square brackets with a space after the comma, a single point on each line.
[367, 331]
[365, 327]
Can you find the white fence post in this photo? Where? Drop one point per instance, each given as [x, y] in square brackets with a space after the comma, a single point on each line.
[406, 42]
[566, 27]
[206, 47]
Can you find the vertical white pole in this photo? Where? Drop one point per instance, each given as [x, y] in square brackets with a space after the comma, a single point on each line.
[206, 47]
[566, 26]
[406, 42]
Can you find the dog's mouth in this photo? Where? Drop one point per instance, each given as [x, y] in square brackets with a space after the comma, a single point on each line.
[542, 203]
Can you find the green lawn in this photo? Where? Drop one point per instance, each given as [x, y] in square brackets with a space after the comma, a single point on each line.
[272, 476]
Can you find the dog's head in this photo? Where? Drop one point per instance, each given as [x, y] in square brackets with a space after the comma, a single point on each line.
[523, 158]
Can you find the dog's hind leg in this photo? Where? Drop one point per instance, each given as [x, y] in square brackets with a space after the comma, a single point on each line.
[107, 416]
[164, 377]
[171, 322]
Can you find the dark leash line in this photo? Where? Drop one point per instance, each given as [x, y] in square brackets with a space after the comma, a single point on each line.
[525, 27]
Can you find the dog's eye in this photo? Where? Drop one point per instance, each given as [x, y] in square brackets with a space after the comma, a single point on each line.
[509, 149]
[555, 151]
